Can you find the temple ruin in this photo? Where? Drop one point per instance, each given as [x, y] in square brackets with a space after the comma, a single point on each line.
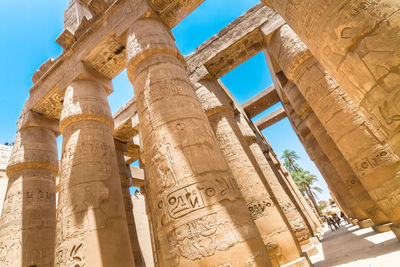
[212, 190]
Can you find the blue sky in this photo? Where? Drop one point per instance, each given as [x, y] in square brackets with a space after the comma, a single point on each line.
[28, 30]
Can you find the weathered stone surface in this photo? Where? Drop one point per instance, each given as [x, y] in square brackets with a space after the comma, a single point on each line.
[28, 221]
[341, 165]
[357, 42]
[261, 102]
[143, 228]
[360, 142]
[172, 12]
[91, 221]
[194, 197]
[262, 204]
[137, 176]
[126, 182]
[271, 118]
[5, 152]
[233, 45]
[126, 121]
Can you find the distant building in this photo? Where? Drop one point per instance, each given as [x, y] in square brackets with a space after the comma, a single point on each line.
[5, 152]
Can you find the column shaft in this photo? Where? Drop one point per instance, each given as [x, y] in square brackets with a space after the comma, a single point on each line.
[125, 177]
[91, 221]
[362, 144]
[200, 217]
[288, 184]
[342, 167]
[357, 42]
[316, 154]
[28, 221]
[262, 204]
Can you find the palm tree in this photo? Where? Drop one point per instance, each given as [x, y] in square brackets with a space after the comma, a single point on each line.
[303, 179]
[289, 159]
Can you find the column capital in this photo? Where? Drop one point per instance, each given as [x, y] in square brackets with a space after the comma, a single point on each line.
[31, 118]
[147, 37]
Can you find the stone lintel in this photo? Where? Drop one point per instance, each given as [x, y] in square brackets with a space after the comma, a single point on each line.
[137, 176]
[34, 119]
[261, 102]
[126, 122]
[234, 44]
[171, 12]
[271, 118]
[106, 29]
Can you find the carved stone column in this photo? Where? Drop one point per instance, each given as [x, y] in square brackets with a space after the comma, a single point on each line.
[125, 176]
[342, 167]
[91, 221]
[200, 217]
[28, 221]
[357, 42]
[294, 218]
[361, 143]
[288, 184]
[324, 165]
[267, 209]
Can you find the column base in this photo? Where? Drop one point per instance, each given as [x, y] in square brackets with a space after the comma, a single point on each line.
[314, 240]
[354, 222]
[310, 250]
[300, 262]
[382, 228]
[396, 230]
[365, 223]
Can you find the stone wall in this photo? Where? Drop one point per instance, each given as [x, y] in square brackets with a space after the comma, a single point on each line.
[5, 152]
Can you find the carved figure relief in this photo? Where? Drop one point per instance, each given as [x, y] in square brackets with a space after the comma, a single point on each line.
[203, 236]
[192, 197]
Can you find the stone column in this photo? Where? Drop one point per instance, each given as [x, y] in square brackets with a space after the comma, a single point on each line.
[91, 221]
[357, 42]
[28, 221]
[332, 178]
[200, 217]
[125, 176]
[288, 184]
[288, 207]
[267, 209]
[361, 143]
[342, 167]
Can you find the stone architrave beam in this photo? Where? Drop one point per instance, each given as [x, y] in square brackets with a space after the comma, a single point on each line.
[271, 118]
[261, 102]
[96, 42]
[126, 122]
[137, 176]
[234, 44]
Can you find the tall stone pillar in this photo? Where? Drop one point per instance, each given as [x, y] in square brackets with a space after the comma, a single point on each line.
[28, 221]
[125, 176]
[91, 221]
[332, 178]
[361, 144]
[342, 167]
[357, 42]
[288, 207]
[268, 209]
[287, 182]
[200, 216]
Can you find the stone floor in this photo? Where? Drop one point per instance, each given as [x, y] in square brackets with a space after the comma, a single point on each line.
[352, 246]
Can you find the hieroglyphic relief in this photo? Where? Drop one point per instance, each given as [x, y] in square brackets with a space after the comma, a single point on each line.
[236, 54]
[108, 58]
[203, 236]
[187, 199]
[51, 105]
[382, 155]
[259, 208]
